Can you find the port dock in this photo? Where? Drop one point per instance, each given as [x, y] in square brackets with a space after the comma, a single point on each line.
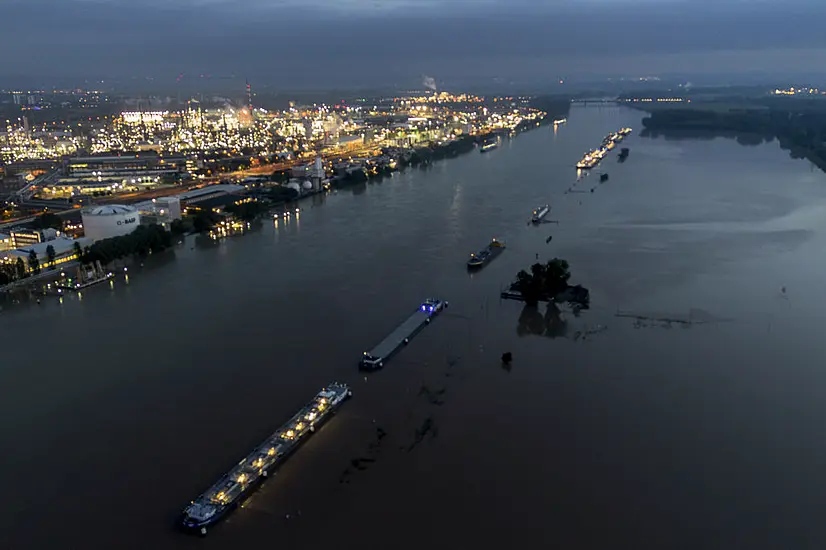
[384, 350]
[231, 489]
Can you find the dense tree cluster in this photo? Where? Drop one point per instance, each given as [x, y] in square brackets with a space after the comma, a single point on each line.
[543, 282]
[279, 194]
[142, 241]
[204, 220]
[48, 221]
[246, 211]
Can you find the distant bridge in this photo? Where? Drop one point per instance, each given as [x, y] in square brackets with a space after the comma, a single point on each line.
[587, 100]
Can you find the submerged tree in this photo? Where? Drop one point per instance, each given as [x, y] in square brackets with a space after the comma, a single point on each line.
[543, 282]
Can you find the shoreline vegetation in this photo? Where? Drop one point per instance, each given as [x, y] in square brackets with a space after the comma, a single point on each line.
[798, 126]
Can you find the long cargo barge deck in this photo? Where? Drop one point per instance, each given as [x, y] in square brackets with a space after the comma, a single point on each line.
[490, 252]
[229, 491]
[375, 358]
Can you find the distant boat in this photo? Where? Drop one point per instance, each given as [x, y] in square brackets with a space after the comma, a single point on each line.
[539, 213]
[603, 178]
[492, 250]
[560, 121]
[490, 145]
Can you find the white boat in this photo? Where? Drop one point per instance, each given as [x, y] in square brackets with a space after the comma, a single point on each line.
[539, 213]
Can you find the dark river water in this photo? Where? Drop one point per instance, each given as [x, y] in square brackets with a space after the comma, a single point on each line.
[120, 406]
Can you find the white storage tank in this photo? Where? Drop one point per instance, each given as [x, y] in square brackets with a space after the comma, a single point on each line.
[103, 222]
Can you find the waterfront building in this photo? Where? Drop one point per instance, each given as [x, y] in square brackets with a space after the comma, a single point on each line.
[195, 196]
[162, 211]
[103, 222]
[23, 237]
[64, 250]
[217, 204]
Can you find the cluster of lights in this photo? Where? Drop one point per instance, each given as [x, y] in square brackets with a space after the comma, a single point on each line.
[657, 100]
[799, 91]
[20, 143]
[219, 131]
[205, 135]
[228, 227]
[442, 97]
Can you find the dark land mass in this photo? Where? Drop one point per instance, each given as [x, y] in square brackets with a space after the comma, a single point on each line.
[798, 125]
[555, 106]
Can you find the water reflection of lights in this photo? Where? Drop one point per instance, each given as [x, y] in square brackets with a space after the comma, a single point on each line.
[225, 229]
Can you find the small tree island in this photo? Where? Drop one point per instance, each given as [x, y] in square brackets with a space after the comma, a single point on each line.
[548, 282]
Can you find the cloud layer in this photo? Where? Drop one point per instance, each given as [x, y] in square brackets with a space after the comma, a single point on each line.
[343, 42]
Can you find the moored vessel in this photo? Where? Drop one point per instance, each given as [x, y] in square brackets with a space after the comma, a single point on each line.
[539, 213]
[488, 146]
[492, 250]
[229, 491]
[592, 158]
[384, 350]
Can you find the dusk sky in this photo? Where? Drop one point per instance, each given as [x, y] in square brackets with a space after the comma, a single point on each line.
[358, 42]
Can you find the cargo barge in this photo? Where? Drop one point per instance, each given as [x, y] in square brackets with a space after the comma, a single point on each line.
[489, 146]
[592, 158]
[229, 491]
[375, 358]
[539, 213]
[492, 250]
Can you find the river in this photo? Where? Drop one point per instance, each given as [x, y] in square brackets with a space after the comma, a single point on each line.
[609, 432]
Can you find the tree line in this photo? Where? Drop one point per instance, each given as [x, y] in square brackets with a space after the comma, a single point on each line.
[145, 239]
